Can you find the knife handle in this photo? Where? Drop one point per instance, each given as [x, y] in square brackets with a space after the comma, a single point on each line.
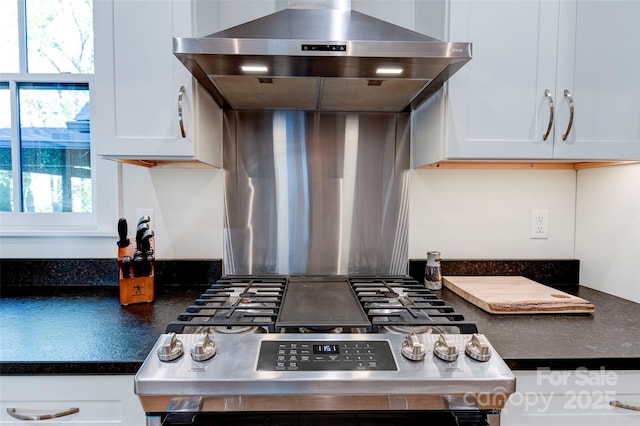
[145, 244]
[122, 232]
[126, 267]
[142, 228]
[138, 264]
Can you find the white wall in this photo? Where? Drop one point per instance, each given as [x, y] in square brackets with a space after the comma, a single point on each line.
[608, 229]
[462, 213]
[484, 214]
[188, 224]
[189, 209]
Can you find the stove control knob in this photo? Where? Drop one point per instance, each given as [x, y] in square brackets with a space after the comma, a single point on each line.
[445, 348]
[170, 348]
[478, 348]
[412, 348]
[203, 349]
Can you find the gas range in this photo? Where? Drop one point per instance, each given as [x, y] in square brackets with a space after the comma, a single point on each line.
[308, 346]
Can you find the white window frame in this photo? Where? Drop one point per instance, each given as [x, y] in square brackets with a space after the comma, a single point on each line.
[105, 180]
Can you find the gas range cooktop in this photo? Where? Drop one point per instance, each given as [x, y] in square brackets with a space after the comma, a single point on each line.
[356, 344]
[246, 304]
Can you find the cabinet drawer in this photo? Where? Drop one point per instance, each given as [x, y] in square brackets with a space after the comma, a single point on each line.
[580, 408]
[567, 398]
[100, 399]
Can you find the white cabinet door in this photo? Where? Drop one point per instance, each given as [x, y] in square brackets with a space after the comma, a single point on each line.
[598, 61]
[139, 84]
[497, 107]
[101, 400]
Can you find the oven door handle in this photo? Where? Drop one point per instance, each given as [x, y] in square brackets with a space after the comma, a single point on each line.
[175, 419]
[182, 411]
[189, 404]
[466, 411]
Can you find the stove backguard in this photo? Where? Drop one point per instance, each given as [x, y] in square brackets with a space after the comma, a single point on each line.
[316, 193]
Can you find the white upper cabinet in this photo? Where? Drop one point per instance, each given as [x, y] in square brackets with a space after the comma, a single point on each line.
[497, 107]
[509, 103]
[147, 106]
[598, 62]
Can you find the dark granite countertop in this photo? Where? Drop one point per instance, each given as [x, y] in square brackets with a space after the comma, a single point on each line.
[609, 338]
[84, 330]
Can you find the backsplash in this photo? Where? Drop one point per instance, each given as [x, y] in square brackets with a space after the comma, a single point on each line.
[102, 272]
[316, 193]
[544, 271]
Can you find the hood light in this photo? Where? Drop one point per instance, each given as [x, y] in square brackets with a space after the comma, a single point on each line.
[254, 68]
[389, 71]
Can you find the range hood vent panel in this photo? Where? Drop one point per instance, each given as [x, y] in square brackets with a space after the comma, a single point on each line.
[321, 24]
[387, 96]
[250, 93]
[314, 41]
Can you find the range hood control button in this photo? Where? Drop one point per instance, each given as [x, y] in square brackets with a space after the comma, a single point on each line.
[478, 348]
[412, 348]
[171, 348]
[203, 349]
[445, 349]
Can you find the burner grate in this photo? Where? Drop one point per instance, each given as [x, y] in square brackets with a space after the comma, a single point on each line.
[402, 301]
[235, 302]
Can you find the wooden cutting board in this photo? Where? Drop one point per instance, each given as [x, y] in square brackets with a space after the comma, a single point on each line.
[515, 295]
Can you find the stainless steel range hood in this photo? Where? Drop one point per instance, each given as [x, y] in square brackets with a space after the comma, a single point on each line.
[320, 55]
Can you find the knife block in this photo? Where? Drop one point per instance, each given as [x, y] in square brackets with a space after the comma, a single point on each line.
[134, 289]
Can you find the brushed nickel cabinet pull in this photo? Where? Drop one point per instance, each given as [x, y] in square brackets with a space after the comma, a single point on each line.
[25, 415]
[625, 406]
[547, 94]
[567, 94]
[180, 119]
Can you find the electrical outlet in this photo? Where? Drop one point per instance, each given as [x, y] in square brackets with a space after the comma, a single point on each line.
[146, 212]
[539, 223]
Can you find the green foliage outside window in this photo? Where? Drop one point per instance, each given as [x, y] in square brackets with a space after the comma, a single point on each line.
[53, 120]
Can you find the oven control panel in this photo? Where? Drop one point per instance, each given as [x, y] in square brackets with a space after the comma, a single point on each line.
[325, 355]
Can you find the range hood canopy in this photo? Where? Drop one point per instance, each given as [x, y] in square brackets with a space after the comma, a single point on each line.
[320, 55]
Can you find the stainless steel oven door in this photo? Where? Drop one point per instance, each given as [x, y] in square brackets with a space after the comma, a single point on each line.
[379, 418]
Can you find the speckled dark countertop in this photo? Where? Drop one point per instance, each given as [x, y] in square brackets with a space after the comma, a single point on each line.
[608, 338]
[84, 330]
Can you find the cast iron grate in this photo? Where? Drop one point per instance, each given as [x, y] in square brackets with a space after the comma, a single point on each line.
[402, 301]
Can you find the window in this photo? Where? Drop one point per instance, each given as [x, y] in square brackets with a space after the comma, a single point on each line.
[55, 155]
[47, 166]
[6, 165]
